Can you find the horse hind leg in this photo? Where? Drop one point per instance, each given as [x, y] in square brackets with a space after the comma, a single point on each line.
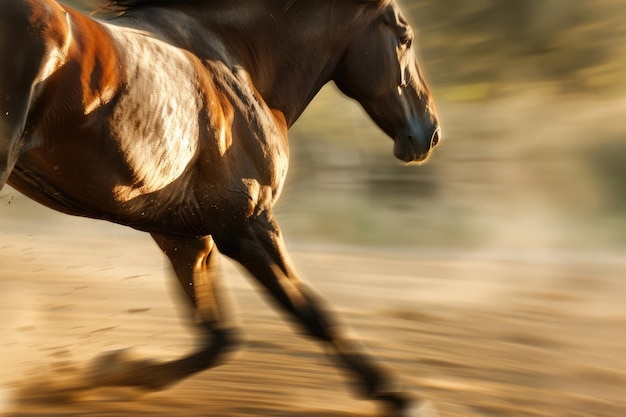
[195, 262]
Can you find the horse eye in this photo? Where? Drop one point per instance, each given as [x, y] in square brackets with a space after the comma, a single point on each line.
[406, 42]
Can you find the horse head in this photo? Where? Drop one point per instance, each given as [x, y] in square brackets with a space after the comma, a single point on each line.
[380, 70]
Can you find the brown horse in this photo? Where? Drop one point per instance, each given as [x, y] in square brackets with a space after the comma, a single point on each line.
[172, 118]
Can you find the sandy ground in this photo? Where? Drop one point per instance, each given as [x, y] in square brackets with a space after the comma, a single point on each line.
[478, 333]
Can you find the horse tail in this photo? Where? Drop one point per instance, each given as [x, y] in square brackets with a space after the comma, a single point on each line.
[34, 42]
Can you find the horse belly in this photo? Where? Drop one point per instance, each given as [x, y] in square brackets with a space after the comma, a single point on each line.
[156, 121]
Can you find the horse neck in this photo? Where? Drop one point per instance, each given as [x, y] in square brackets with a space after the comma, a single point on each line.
[291, 62]
[288, 52]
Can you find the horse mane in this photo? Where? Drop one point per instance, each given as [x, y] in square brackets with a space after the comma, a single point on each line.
[128, 5]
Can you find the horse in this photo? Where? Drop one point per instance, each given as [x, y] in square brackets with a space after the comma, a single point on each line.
[171, 117]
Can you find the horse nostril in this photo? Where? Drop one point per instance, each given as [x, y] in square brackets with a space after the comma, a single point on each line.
[434, 140]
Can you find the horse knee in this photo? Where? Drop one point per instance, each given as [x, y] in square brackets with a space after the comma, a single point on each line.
[223, 342]
[231, 339]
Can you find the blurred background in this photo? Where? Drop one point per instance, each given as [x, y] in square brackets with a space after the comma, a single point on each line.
[531, 96]
[532, 99]
[491, 278]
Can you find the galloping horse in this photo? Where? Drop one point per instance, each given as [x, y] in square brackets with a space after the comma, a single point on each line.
[172, 118]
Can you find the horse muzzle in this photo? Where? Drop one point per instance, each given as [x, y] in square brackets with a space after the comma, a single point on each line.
[416, 147]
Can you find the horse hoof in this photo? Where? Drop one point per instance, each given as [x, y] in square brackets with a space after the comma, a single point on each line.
[418, 409]
[120, 368]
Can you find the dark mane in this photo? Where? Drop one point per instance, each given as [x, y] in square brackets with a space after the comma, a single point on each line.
[127, 5]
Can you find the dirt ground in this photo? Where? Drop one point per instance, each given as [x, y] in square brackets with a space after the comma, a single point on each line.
[478, 333]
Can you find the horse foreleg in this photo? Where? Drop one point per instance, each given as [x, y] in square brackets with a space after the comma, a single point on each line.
[195, 262]
[262, 252]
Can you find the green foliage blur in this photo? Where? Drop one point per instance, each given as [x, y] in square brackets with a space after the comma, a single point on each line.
[532, 98]
[495, 47]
